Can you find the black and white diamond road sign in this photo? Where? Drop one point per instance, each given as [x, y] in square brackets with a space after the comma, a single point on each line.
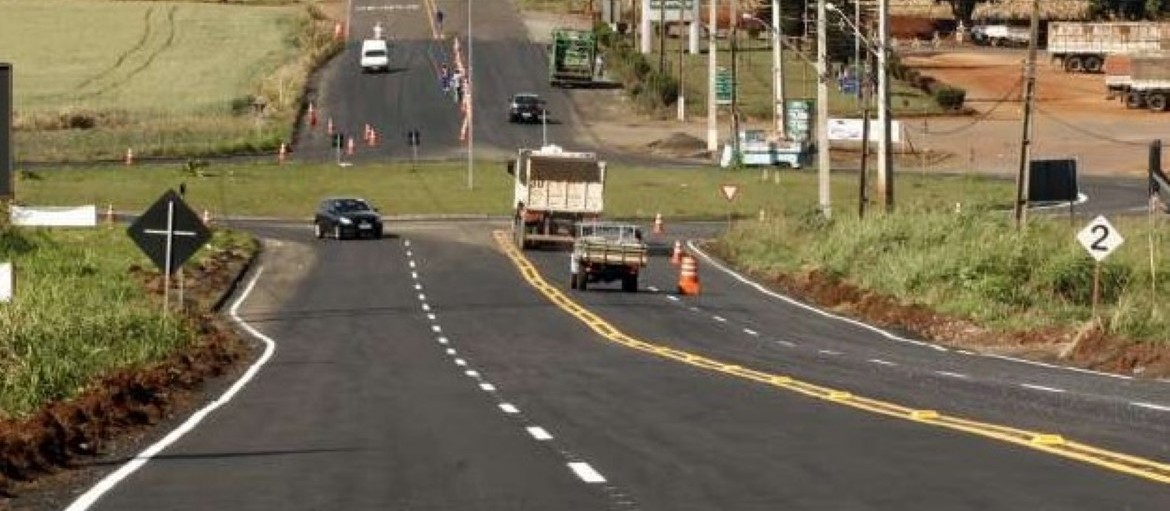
[169, 232]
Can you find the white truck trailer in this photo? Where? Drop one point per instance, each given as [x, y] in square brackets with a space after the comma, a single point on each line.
[1142, 80]
[554, 190]
[1082, 47]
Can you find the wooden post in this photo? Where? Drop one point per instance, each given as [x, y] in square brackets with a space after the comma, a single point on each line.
[1096, 286]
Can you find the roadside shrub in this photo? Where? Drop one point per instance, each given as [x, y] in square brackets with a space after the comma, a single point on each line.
[951, 98]
[242, 105]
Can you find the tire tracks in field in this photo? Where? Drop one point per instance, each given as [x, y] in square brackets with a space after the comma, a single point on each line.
[149, 58]
[124, 55]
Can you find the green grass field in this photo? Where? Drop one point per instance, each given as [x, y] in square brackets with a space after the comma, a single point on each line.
[975, 265]
[292, 191]
[93, 78]
[78, 313]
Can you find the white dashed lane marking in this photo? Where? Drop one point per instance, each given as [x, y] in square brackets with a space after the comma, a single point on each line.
[472, 374]
[426, 307]
[414, 275]
[436, 328]
[1041, 388]
[418, 287]
[786, 343]
[720, 319]
[829, 352]
[539, 433]
[586, 472]
[460, 362]
[509, 408]
[411, 263]
[443, 340]
[487, 387]
[1151, 406]
[422, 297]
[431, 317]
[451, 351]
[952, 375]
[882, 362]
[694, 309]
[672, 298]
[751, 332]
[652, 289]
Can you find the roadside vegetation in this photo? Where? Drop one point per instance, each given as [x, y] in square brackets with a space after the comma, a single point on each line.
[293, 190]
[94, 78]
[974, 265]
[81, 311]
[655, 82]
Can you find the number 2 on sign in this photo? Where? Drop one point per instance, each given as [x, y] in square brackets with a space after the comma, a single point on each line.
[1102, 233]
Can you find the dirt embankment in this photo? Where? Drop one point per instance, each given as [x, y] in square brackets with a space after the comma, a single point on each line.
[1088, 347]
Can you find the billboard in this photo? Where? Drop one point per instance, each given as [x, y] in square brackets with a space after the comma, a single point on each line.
[676, 10]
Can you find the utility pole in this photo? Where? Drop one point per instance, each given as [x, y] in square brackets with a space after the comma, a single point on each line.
[682, 84]
[662, 36]
[1026, 138]
[734, 91]
[823, 160]
[864, 79]
[885, 183]
[779, 112]
[712, 106]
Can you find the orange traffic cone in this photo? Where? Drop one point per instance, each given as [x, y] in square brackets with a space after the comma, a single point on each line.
[676, 256]
[282, 154]
[688, 276]
[658, 224]
[206, 217]
[349, 147]
[312, 116]
[129, 156]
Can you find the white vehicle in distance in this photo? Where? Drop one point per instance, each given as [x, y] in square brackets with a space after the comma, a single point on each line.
[375, 56]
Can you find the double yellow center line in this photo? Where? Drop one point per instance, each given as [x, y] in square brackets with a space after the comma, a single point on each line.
[1045, 442]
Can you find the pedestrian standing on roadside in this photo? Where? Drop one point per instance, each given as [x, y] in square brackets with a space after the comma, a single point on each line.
[439, 21]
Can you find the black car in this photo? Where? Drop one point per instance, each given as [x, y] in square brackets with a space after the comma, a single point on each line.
[526, 107]
[347, 217]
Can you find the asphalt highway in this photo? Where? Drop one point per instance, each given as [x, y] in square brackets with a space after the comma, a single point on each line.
[425, 371]
[410, 97]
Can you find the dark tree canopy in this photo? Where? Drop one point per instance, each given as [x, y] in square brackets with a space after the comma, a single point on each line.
[962, 9]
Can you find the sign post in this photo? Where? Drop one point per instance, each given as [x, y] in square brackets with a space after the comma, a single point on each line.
[729, 193]
[169, 233]
[1100, 239]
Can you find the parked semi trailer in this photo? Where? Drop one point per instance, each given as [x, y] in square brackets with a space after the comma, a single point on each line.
[554, 190]
[1147, 84]
[1083, 47]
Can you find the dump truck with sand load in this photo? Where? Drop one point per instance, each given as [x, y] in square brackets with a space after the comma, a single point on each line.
[554, 189]
[1083, 47]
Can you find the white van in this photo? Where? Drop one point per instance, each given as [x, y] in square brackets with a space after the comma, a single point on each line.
[375, 55]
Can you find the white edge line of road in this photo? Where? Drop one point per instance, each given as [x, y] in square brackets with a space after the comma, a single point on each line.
[91, 496]
[759, 287]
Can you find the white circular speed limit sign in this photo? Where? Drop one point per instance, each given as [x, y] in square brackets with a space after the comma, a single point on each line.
[1100, 238]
